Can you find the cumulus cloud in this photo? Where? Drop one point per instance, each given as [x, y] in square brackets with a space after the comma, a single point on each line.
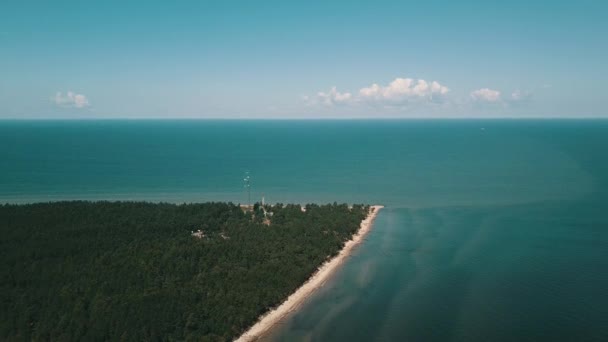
[485, 95]
[398, 92]
[403, 90]
[71, 99]
[333, 96]
[403, 95]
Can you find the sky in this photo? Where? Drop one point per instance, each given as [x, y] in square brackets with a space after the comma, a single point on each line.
[303, 59]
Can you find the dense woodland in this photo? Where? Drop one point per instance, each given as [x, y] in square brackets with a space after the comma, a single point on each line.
[133, 271]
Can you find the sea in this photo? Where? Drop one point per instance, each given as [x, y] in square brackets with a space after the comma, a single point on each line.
[493, 230]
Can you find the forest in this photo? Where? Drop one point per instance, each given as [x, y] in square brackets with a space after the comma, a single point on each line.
[131, 271]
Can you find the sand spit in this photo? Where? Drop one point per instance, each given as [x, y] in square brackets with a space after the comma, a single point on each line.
[317, 280]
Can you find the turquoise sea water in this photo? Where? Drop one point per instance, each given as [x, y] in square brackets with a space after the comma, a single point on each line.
[492, 231]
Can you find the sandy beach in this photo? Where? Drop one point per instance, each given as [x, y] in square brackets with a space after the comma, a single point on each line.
[316, 281]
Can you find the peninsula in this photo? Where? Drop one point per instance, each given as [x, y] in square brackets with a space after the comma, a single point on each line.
[84, 270]
[316, 280]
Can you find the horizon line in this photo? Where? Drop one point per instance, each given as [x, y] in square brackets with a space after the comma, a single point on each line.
[308, 119]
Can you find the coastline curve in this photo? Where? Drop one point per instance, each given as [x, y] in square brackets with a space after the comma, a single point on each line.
[317, 280]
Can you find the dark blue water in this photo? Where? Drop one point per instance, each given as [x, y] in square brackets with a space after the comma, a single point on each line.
[492, 231]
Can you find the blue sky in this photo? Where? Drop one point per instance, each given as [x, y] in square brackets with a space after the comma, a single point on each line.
[313, 59]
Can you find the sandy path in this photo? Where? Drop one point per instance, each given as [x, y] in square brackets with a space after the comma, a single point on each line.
[317, 280]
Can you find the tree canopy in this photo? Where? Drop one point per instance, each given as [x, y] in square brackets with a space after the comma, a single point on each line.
[133, 271]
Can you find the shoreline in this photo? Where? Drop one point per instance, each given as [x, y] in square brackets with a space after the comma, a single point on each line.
[317, 280]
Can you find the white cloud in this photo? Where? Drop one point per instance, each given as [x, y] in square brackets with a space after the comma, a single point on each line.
[71, 99]
[334, 97]
[485, 95]
[409, 96]
[400, 91]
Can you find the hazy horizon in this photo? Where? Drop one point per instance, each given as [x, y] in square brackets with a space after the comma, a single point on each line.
[441, 118]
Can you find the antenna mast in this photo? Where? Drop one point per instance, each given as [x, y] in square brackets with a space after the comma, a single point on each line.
[247, 181]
